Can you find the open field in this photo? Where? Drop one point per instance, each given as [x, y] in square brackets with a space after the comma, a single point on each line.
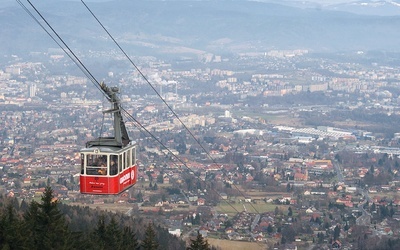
[233, 208]
[254, 194]
[236, 245]
[276, 119]
[236, 204]
[116, 207]
[285, 120]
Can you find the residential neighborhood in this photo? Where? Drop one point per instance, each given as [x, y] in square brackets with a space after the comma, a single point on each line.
[294, 160]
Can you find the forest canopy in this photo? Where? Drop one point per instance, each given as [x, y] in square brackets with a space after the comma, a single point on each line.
[48, 224]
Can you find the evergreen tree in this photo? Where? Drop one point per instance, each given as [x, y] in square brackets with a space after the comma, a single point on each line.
[129, 240]
[139, 196]
[149, 242]
[288, 187]
[113, 237]
[46, 225]
[373, 207]
[196, 219]
[276, 211]
[270, 229]
[336, 232]
[10, 233]
[290, 212]
[99, 233]
[29, 225]
[199, 243]
[320, 238]
[391, 212]
[42, 225]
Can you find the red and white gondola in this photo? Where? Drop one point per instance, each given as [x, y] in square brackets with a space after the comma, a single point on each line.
[108, 164]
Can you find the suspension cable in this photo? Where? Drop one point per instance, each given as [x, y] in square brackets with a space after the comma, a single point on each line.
[159, 95]
[69, 53]
[83, 68]
[174, 155]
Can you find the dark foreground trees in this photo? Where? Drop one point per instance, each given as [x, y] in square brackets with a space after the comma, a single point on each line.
[112, 236]
[149, 242]
[199, 243]
[44, 226]
[50, 225]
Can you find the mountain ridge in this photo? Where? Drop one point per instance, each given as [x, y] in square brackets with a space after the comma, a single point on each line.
[148, 26]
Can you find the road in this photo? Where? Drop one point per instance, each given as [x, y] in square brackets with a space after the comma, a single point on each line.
[339, 172]
[365, 218]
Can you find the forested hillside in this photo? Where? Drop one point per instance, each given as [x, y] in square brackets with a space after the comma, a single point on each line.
[51, 225]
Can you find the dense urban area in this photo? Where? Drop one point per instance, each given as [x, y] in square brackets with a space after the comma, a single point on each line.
[282, 149]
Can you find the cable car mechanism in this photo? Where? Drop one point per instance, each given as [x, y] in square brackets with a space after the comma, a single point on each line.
[108, 164]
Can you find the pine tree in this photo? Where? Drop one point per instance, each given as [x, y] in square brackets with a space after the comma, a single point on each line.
[197, 219]
[46, 225]
[113, 237]
[199, 243]
[270, 229]
[290, 211]
[29, 225]
[10, 233]
[129, 240]
[42, 225]
[99, 233]
[149, 242]
[336, 232]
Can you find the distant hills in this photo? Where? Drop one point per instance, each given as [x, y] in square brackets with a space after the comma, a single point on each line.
[363, 7]
[196, 27]
[380, 8]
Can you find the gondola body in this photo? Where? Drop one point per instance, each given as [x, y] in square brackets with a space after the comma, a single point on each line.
[107, 170]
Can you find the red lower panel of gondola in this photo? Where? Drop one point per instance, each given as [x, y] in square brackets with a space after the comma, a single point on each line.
[100, 184]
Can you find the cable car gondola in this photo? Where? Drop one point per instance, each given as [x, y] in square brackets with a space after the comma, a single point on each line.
[108, 164]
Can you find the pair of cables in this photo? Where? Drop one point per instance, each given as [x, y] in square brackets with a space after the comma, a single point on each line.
[68, 51]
